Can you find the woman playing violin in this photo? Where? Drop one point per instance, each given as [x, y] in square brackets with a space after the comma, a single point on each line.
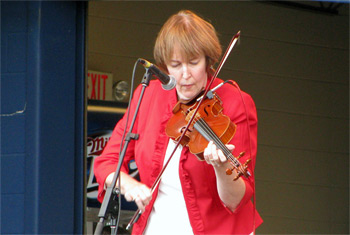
[193, 197]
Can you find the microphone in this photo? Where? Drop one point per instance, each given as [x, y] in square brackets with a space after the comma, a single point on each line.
[168, 81]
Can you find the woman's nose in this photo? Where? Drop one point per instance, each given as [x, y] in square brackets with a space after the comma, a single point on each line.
[185, 72]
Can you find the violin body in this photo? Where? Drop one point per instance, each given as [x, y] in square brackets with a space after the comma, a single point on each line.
[210, 112]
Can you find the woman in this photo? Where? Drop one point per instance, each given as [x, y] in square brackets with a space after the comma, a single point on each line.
[193, 197]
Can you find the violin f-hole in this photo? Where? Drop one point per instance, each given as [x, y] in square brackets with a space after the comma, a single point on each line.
[183, 129]
[205, 110]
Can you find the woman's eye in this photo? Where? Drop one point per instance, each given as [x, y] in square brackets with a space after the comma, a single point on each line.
[174, 65]
[194, 62]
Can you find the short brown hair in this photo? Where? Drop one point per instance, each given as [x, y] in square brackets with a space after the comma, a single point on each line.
[193, 34]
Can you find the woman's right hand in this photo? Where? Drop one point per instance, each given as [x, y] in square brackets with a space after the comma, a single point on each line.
[133, 190]
[140, 194]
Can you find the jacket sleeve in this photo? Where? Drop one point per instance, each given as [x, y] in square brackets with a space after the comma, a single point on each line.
[107, 162]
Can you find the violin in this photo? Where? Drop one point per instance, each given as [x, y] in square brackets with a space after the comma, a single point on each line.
[209, 124]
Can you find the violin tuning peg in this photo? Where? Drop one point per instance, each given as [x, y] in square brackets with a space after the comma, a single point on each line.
[247, 162]
[237, 176]
[228, 171]
[240, 155]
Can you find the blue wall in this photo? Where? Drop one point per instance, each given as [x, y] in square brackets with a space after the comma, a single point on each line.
[42, 117]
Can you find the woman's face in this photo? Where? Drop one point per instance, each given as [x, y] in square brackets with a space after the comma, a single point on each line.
[191, 76]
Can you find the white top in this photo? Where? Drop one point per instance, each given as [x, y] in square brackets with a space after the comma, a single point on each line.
[169, 213]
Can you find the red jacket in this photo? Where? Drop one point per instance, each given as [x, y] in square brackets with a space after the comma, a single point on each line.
[207, 213]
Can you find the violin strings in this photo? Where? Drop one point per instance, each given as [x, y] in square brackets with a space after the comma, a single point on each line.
[219, 143]
[205, 130]
[212, 135]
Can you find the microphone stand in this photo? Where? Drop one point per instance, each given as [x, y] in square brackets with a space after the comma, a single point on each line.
[110, 204]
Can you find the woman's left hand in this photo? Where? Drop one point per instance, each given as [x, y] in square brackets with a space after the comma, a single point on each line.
[215, 156]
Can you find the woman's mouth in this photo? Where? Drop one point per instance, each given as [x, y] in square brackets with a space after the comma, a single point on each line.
[187, 86]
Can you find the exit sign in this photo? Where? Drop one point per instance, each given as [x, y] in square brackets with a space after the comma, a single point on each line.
[100, 85]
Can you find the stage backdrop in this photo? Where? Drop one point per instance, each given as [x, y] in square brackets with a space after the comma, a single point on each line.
[294, 61]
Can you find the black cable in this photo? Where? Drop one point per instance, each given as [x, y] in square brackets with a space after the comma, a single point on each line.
[123, 136]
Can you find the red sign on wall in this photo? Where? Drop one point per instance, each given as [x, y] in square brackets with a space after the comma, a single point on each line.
[100, 85]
